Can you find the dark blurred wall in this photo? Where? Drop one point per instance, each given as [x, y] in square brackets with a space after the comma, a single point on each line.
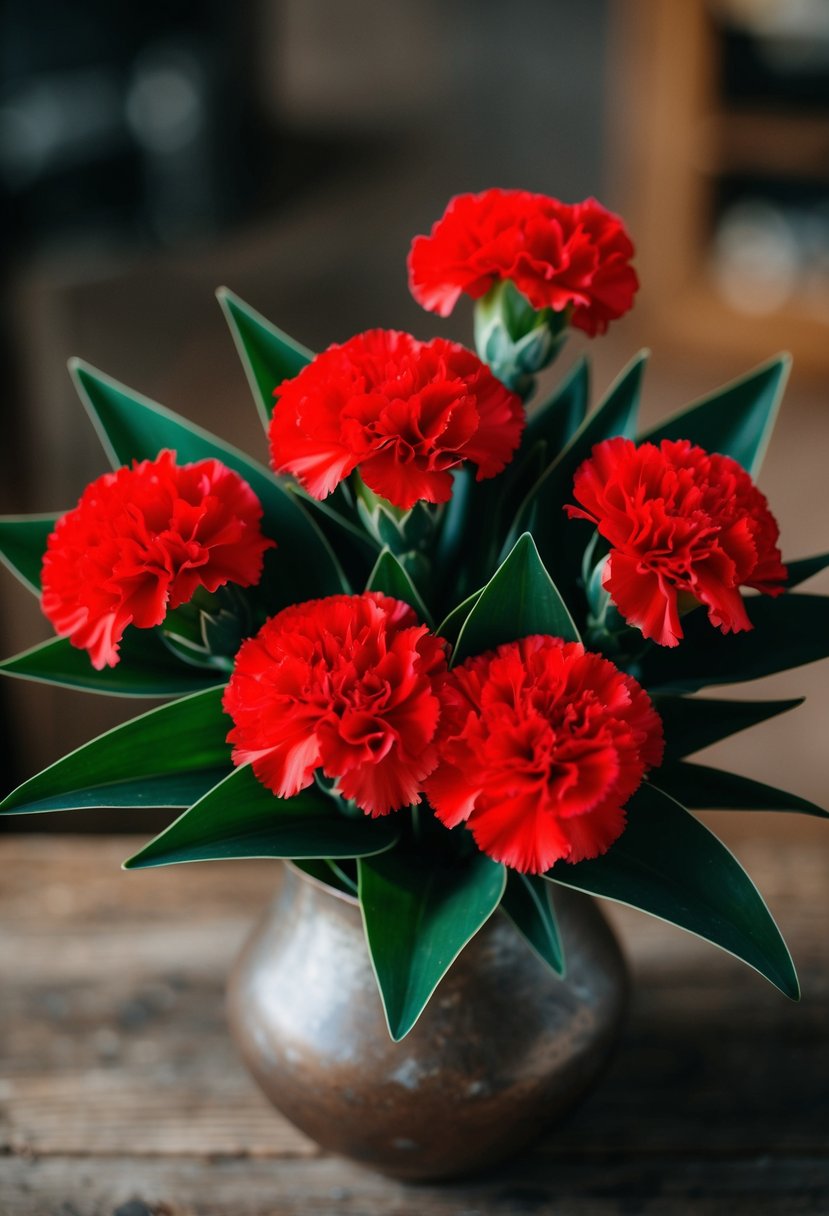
[322, 136]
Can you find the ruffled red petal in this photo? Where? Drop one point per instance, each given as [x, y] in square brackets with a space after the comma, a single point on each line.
[559, 255]
[540, 745]
[343, 685]
[141, 541]
[681, 522]
[405, 413]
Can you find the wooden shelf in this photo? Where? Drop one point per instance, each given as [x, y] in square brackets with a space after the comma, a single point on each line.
[681, 148]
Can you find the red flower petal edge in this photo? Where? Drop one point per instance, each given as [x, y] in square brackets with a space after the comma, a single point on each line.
[142, 540]
[343, 685]
[401, 411]
[540, 745]
[559, 255]
[681, 522]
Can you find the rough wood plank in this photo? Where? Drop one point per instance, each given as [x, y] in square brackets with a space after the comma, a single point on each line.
[119, 1082]
[329, 1187]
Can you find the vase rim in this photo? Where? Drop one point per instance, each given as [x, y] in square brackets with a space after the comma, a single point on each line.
[345, 896]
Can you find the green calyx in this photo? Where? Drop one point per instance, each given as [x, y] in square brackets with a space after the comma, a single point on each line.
[516, 340]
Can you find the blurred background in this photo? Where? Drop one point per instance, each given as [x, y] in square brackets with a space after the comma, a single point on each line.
[290, 149]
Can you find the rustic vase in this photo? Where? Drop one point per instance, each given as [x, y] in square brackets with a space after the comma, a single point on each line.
[502, 1050]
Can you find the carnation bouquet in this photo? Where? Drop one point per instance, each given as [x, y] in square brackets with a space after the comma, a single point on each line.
[444, 652]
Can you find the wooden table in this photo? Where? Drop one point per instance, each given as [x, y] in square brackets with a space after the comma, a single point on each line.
[121, 1095]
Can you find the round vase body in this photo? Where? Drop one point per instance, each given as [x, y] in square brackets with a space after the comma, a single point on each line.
[503, 1048]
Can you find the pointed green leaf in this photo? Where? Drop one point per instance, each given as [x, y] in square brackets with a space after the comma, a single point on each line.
[131, 427]
[168, 757]
[788, 632]
[241, 818]
[805, 567]
[268, 355]
[23, 544]
[146, 668]
[389, 577]
[692, 723]
[527, 902]
[418, 916]
[668, 864]
[356, 551]
[702, 788]
[736, 420]
[520, 599]
[542, 509]
[452, 624]
[556, 420]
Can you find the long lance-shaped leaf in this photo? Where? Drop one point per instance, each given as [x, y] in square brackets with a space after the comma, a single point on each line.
[702, 788]
[22, 545]
[335, 517]
[557, 419]
[418, 916]
[389, 577]
[170, 756]
[788, 632]
[268, 355]
[527, 902]
[692, 723]
[452, 624]
[520, 599]
[131, 427]
[736, 420]
[541, 511]
[668, 864]
[805, 567]
[146, 668]
[241, 818]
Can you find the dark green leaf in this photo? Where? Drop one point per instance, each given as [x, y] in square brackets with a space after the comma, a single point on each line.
[702, 788]
[146, 668]
[23, 544]
[527, 902]
[168, 757]
[520, 599]
[389, 577]
[692, 723]
[668, 864]
[268, 355]
[805, 567]
[241, 818]
[788, 632]
[132, 427]
[324, 872]
[418, 916]
[556, 420]
[356, 551]
[736, 420]
[542, 510]
[452, 624]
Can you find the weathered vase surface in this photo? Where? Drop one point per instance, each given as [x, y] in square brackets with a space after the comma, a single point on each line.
[501, 1051]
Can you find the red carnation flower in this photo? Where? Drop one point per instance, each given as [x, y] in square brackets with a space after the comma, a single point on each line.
[342, 684]
[682, 522]
[559, 255]
[142, 540]
[404, 412]
[540, 746]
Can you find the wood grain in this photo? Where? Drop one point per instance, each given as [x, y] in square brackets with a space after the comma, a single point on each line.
[121, 1093]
